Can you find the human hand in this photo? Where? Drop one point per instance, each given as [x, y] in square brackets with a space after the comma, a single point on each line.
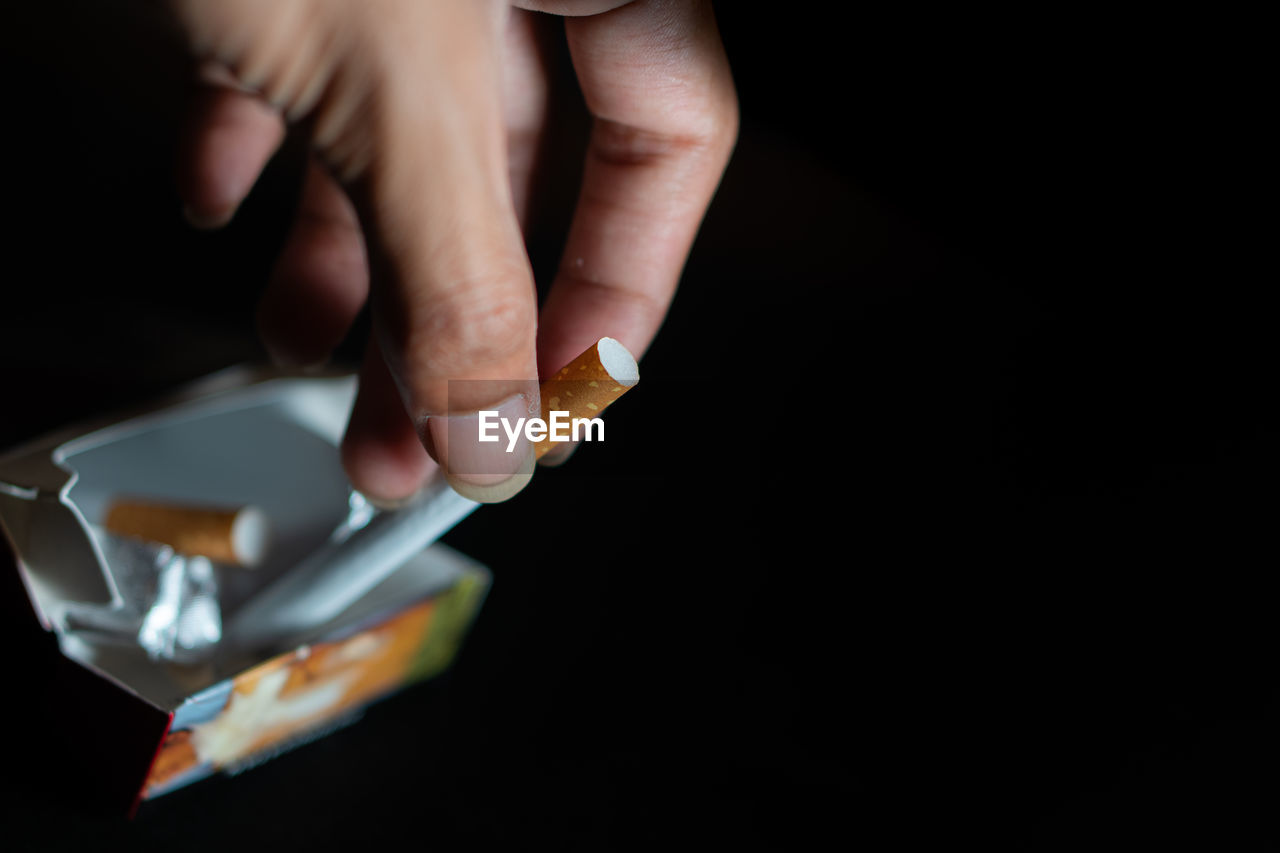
[423, 116]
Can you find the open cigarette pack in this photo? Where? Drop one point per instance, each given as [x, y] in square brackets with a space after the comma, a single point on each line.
[220, 591]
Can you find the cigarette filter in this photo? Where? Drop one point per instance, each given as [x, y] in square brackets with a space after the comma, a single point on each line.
[587, 385]
[237, 536]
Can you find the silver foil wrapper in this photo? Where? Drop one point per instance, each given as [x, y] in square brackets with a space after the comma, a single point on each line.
[166, 603]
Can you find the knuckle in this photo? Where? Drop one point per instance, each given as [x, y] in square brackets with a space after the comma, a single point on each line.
[716, 128]
[640, 304]
[707, 130]
[478, 327]
[618, 144]
[729, 115]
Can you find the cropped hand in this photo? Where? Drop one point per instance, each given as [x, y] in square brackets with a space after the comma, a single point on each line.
[422, 116]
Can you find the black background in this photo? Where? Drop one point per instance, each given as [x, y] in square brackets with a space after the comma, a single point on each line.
[945, 508]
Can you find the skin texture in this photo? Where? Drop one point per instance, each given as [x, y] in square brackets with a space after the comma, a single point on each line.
[423, 118]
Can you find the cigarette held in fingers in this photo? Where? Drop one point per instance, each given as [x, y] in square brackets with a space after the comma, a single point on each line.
[585, 387]
[238, 536]
[489, 454]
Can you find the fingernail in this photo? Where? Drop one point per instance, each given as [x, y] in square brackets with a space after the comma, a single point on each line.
[486, 471]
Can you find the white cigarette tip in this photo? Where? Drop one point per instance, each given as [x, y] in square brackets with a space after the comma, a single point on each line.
[618, 362]
[250, 535]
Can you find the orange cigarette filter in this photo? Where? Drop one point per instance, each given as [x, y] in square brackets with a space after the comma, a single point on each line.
[237, 536]
[587, 385]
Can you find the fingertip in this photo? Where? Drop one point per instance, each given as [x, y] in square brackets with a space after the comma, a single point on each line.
[381, 453]
[492, 493]
[388, 473]
[285, 358]
[204, 220]
[227, 142]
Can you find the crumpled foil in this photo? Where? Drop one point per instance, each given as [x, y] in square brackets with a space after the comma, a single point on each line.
[168, 602]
